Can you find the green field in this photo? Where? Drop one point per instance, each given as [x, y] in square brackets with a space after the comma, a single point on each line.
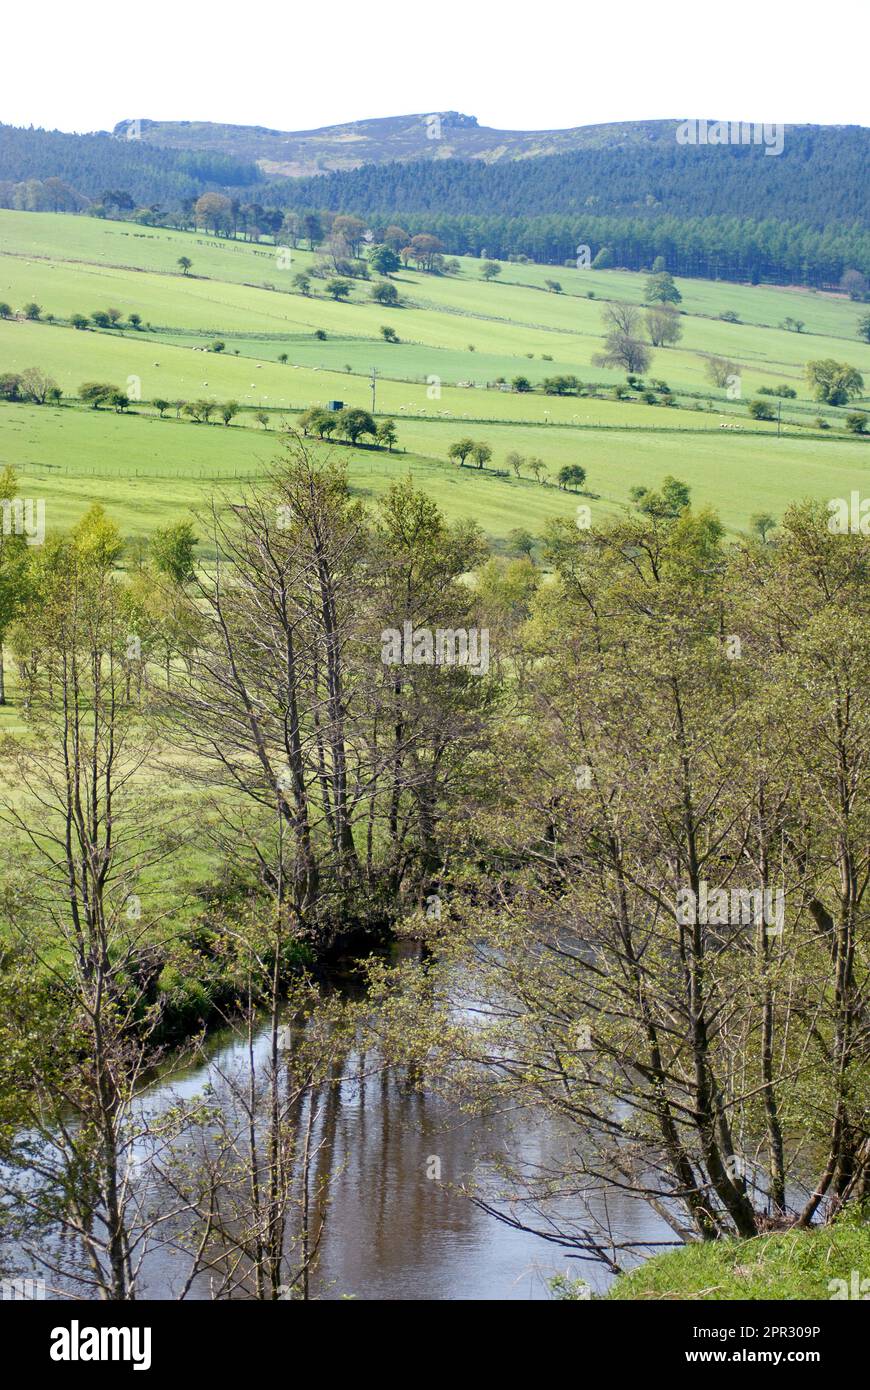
[457, 336]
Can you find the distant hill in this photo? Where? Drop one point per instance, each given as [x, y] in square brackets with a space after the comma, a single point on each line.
[425, 135]
[819, 178]
[92, 163]
[799, 216]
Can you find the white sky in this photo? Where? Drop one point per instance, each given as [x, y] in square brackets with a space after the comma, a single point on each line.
[293, 66]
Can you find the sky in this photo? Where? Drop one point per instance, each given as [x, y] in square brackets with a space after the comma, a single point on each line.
[88, 65]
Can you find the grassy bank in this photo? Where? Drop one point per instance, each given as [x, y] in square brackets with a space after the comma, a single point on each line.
[832, 1262]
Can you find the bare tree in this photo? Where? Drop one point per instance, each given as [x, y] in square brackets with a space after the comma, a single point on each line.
[663, 325]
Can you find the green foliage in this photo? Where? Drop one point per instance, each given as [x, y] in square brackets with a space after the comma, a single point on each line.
[385, 294]
[353, 423]
[819, 1264]
[172, 550]
[662, 290]
[834, 382]
[668, 502]
[384, 260]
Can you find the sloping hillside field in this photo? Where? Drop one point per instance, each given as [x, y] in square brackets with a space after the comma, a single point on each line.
[468, 357]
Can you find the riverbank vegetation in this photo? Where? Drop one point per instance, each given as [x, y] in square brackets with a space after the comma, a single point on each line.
[608, 768]
[821, 1264]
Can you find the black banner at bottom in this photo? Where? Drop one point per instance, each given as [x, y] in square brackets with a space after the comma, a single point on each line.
[81, 1339]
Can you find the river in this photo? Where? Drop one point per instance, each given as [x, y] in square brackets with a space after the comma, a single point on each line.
[394, 1231]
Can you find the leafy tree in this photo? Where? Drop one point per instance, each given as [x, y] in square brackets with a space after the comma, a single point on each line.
[10, 386]
[396, 237]
[521, 384]
[389, 335]
[515, 462]
[161, 406]
[661, 289]
[312, 228]
[217, 346]
[78, 321]
[97, 539]
[32, 311]
[572, 477]
[385, 294]
[302, 283]
[101, 318]
[668, 503]
[96, 393]
[339, 289]
[384, 260]
[834, 382]
[262, 418]
[663, 325]
[172, 549]
[863, 327]
[228, 410]
[120, 400]
[489, 270]
[521, 541]
[5, 310]
[761, 410]
[214, 211]
[313, 419]
[481, 453]
[349, 229]
[565, 385]
[354, 422]
[856, 422]
[460, 451]
[387, 434]
[424, 249]
[761, 524]
[184, 263]
[201, 411]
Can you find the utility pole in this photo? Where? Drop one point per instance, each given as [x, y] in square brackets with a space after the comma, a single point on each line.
[779, 419]
[374, 379]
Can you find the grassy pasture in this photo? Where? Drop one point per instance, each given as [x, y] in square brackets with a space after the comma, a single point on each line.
[148, 470]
